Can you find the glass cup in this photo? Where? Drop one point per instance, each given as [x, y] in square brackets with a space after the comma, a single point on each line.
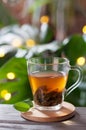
[48, 78]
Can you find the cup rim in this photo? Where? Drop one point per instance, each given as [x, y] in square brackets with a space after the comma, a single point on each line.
[32, 59]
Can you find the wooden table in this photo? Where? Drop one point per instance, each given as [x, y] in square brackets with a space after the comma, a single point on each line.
[10, 119]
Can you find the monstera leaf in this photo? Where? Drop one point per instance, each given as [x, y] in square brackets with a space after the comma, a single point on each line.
[6, 53]
[14, 81]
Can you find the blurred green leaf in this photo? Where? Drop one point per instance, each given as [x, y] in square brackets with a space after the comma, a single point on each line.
[22, 106]
[28, 101]
[18, 87]
[48, 36]
[75, 48]
[8, 55]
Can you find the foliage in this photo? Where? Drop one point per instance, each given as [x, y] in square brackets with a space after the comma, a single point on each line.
[23, 106]
[18, 87]
[8, 55]
[75, 48]
[72, 47]
[14, 61]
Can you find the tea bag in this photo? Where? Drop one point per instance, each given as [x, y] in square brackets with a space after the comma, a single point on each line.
[44, 98]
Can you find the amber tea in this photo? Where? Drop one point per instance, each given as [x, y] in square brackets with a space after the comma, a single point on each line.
[47, 87]
[48, 78]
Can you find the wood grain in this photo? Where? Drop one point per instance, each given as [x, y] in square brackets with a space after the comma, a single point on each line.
[10, 119]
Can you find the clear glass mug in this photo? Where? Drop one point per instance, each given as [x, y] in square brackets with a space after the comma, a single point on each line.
[48, 78]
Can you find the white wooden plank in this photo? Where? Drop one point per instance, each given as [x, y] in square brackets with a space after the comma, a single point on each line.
[10, 119]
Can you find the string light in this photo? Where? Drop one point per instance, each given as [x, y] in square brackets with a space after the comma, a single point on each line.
[11, 75]
[3, 93]
[7, 96]
[44, 19]
[84, 29]
[81, 61]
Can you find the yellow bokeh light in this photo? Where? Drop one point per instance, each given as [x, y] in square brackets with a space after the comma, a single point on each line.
[11, 75]
[84, 29]
[2, 53]
[17, 42]
[81, 61]
[3, 93]
[44, 19]
[7, 96]
[30, 43]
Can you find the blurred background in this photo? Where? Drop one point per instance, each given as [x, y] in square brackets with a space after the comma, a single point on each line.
[30, 28]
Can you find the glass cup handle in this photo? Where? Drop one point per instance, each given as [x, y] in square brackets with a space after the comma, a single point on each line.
[76, 84]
